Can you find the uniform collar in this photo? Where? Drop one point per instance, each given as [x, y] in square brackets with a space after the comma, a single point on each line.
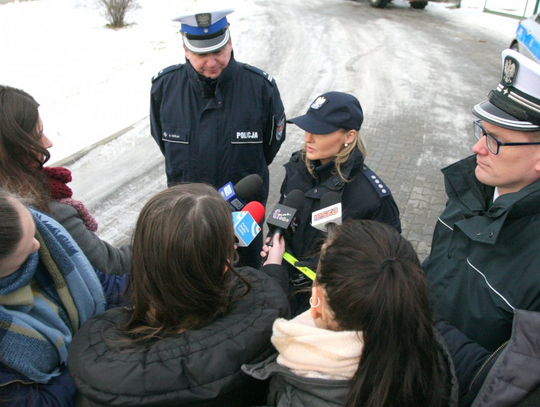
[327, 178]
[486, 221]
[461, 182]
[326, 171]
[225, 76]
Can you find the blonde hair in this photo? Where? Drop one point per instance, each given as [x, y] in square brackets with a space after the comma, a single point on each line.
[343, 155]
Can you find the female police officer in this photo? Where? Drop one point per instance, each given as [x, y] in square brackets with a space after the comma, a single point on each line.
[332, 160]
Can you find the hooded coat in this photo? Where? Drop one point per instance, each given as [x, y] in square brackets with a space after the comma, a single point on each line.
[484, 258]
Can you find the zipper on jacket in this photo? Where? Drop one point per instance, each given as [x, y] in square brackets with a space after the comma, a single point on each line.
[486, 362]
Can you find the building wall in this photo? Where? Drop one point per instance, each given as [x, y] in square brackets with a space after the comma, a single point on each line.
[517, 8]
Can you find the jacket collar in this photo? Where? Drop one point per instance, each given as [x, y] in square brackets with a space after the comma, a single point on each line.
[225, 76]
[351, 166]
[461, 182]
[485, 221]
[326, 178]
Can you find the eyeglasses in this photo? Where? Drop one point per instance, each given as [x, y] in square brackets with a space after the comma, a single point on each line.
[493, 144]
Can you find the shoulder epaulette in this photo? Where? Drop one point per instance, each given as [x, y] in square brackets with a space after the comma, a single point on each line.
[266, 75]
[377, 183]
[296, 156]
[167, 70]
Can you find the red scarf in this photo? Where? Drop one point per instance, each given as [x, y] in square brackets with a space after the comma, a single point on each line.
[58, 178]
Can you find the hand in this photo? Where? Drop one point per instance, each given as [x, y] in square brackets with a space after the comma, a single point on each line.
[274, 254]
[265, 249]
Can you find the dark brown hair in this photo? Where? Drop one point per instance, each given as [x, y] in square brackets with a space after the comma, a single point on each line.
[10, 225]
[374, 284]
[22, 154]
[183, 249]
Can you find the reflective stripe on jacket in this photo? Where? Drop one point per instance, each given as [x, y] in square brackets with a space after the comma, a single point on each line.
[484, 260]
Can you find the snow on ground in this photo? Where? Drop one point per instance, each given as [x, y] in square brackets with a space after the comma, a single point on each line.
[90, 81]
[93, 82]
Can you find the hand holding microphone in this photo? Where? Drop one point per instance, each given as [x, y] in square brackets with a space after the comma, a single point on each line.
[282, 216]
[274, 253]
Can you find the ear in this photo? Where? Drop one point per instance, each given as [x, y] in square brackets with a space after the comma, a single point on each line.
[350, 136]
[186, 51]
[316, 312]
[537, 164]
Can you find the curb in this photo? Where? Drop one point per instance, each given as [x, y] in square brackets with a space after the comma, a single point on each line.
[71, 159]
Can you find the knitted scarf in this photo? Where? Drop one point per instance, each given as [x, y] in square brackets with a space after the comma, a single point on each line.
[58, 178]
[314, 352]
[44, 302]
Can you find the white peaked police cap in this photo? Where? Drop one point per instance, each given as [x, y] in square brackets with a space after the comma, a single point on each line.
[205, 30]
[515, 103]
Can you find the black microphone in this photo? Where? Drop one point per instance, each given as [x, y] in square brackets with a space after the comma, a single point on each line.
[330, 214]
[246, 190]
[250, 188]
[282, 215]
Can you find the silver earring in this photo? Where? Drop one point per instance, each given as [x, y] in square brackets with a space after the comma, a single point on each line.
[311, 302]
[346, 144]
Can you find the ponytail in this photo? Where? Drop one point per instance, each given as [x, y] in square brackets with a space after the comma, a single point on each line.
[377, 287]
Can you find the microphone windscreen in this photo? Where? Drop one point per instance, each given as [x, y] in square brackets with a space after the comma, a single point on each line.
[249, 188]
[255, 209]
[330, 198]
[295, 199]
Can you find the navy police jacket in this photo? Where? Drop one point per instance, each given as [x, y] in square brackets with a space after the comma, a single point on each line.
[365, 196]
[221, 135]
[484, 261]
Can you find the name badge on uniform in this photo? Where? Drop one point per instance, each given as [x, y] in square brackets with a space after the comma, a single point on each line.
[248, 136]
[174, 135]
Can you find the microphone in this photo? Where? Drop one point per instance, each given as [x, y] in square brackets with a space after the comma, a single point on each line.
[247, 189]
[246, 223]
[282, 216]
[250, 188]
[327, 218]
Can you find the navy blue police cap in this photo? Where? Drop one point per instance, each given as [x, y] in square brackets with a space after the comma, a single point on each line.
[205, 31]
[515, 103]
[330, 112]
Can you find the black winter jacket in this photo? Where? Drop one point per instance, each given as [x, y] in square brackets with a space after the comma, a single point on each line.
[196, 368]
[365, 196]
[484, 258]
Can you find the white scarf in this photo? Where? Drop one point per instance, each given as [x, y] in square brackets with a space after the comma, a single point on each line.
[314, 352]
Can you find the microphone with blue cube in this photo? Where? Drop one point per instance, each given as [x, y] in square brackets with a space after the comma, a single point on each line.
[246, 223]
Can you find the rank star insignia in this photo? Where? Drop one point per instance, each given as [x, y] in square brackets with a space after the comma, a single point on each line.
[510, 71]
[321, 100]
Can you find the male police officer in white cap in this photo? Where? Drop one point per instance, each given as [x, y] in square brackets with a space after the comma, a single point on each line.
[215, 119]
[484, 263]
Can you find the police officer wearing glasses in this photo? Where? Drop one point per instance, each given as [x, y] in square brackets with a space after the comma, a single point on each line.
[484, 266]
[216, 120]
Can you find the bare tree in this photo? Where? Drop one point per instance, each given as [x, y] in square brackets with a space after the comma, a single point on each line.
[115, 10]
